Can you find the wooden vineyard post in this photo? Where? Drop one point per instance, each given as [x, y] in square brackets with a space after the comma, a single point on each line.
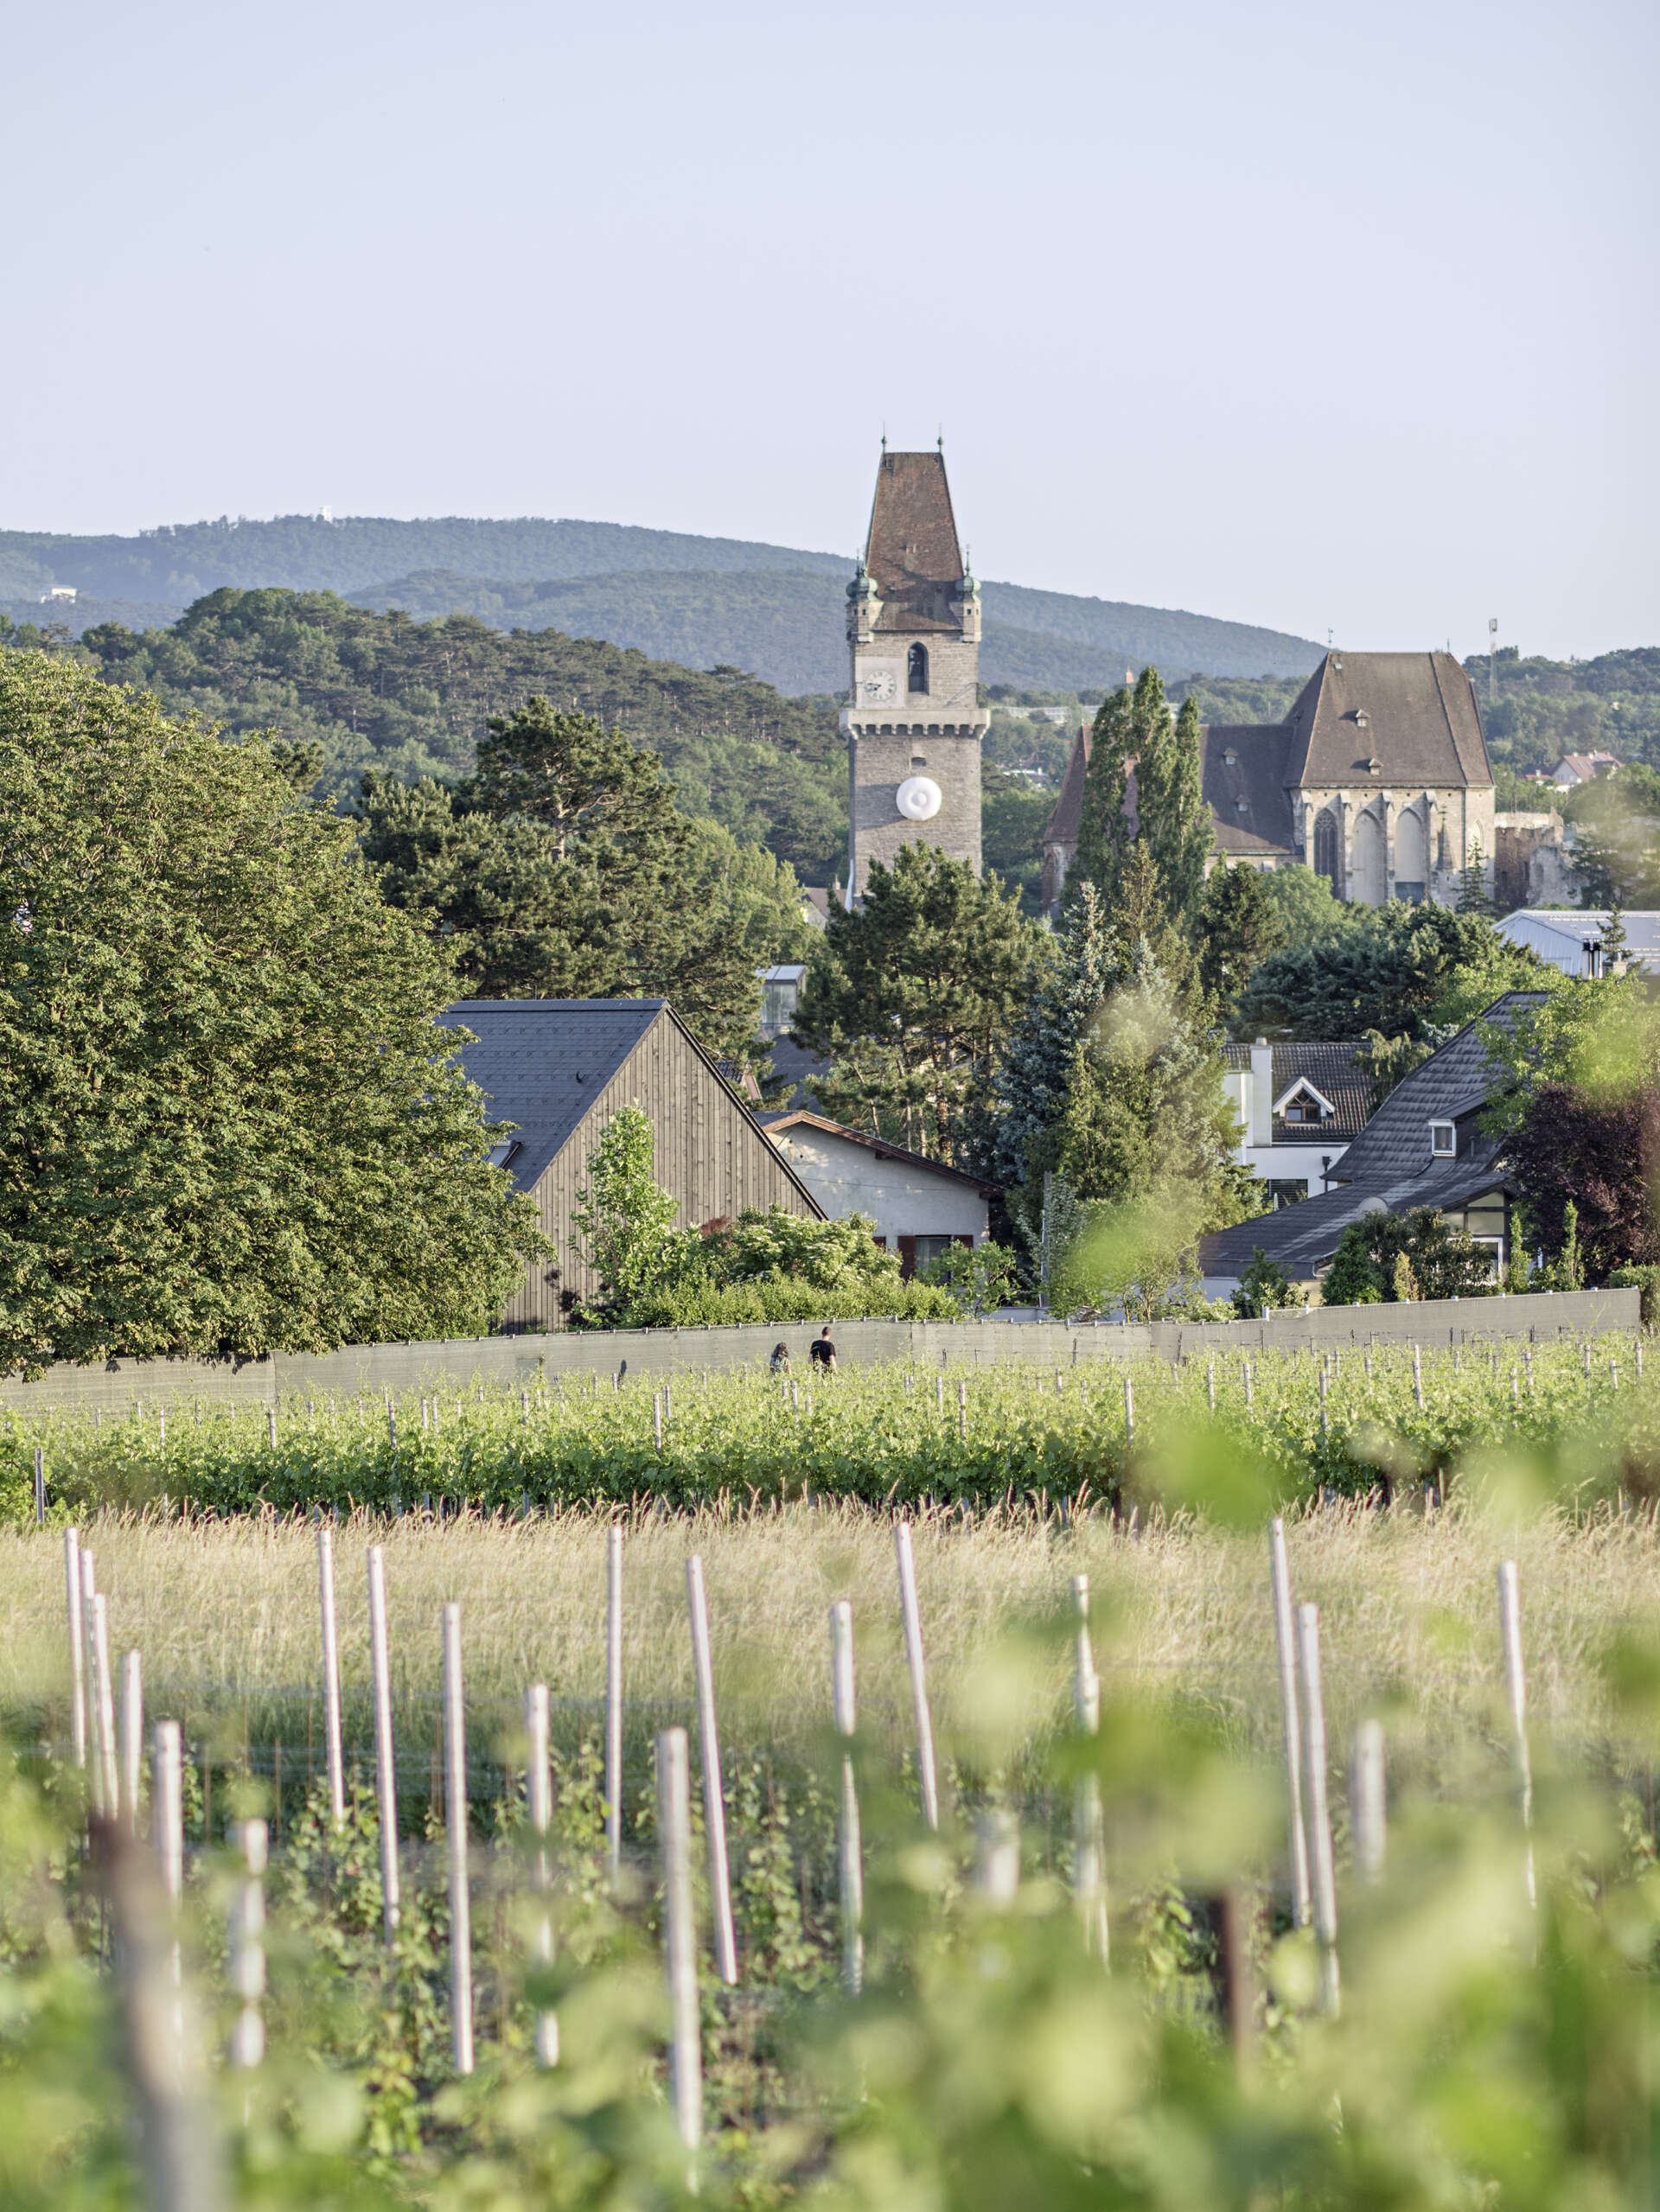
[40, 1487]
[1418, 1377]
[657, 1420]
[109, 1780]
[1129, 1411]
[997, 1855]
[88, 1618]
[1089, 1840]
[680, 1936]
[167, 1820]
[182, 2165]
[1210, 1385]
[1367, 1816]
[77, 1646]
[248, 1947]
[714, 1803]
[614, 1702]
[331, 1674]
[539, 1803]
[386, 1770]
[1323, 1873]
[455, 1801]
[1286, 1653]
[850, 1867]
[910, 1616]
[1516, 1692]
[132, 1739]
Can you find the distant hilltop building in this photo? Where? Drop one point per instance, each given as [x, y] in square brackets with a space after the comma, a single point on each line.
[1378, 779]
[915, 722]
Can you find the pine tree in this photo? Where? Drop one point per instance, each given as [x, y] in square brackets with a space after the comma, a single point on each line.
[1474, 897]
[1036, 1076]
[1173, 821]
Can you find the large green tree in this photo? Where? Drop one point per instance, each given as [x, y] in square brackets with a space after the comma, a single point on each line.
[1238, 928]
[1405, 971]
[565, 869]
[228, 1123]
[912, 997]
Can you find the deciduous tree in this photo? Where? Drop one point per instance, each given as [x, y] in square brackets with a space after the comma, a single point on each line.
[228, 1123]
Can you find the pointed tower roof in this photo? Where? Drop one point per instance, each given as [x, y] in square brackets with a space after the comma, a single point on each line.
[912, 551]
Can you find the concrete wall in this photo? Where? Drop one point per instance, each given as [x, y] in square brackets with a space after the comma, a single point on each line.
[517, 1362]
[903, 1198]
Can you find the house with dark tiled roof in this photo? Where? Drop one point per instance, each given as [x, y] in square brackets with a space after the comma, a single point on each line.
[1424, 1146]
[1378, 779]
[1300, 1108]
[558, 1068]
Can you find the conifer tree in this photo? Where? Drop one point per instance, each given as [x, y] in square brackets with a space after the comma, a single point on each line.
[1173, 821]
[1474, 897]
[1238, 926]
[1036, 1076]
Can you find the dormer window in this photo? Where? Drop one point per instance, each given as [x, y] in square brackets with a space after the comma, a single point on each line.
[1230, 758]
[916, 669]
[1443, 1140]
[1302, 1106]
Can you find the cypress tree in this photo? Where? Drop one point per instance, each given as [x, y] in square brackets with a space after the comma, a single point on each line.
[1173, 818]
[1103, 827]
[1238, 926]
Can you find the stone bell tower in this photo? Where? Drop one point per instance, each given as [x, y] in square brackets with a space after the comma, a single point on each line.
[914, 724]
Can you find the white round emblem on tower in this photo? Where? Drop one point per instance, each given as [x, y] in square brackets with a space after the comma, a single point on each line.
[919, 798]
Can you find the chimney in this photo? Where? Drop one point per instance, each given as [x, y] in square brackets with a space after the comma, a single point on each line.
[1261, 1092]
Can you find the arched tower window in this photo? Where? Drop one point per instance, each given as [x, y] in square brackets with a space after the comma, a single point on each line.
[916, 669]
[1325, 848]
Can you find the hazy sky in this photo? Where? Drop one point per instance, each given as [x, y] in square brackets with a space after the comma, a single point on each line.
[1304, 316]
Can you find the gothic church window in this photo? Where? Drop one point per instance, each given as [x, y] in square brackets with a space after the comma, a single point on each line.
[1325, 848]
[916, 669]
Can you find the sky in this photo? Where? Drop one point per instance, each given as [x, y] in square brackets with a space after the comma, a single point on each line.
[1323, 317]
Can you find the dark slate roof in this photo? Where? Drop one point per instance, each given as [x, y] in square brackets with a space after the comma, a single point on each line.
[1414, 713]
[1455, 1082]
[542, 1063]
[1247, 794]
[912, 551]
[778, 1124]
[1302, 1237]
[1389, 1165]
[1067, 813]
[1331, 1069]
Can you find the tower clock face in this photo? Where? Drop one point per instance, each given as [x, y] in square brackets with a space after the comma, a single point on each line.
[879, 683]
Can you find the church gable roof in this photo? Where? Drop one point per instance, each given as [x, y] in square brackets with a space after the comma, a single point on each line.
[912, 551]
[1067, 814]
[1413, 713]
[1245, 787]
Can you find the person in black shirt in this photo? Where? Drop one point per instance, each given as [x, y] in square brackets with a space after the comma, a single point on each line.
[824, 1352]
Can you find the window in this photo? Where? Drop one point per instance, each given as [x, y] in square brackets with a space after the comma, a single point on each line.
[499, 1155]
[1443, 1140]
[919, 760]
[1325, 848]
[916, 669]
[1408, 894]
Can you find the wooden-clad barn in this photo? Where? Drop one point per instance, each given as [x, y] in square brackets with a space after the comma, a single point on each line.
[559, 1068]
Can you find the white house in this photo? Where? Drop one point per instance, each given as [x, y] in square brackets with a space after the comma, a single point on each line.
[1570, 938]
[1300, 1107]
[920, 1206]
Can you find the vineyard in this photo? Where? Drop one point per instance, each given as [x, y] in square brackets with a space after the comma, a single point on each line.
[1070, 1857]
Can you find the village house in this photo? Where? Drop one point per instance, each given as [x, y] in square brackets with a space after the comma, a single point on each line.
[1300, 1107]
[559, 1068]
[1424, 1146]
[920, 1206]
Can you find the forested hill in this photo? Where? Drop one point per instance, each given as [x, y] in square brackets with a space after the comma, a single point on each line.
[774, 610]
[384, 691]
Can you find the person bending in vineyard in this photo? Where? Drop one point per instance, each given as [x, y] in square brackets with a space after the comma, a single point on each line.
[779, 1363]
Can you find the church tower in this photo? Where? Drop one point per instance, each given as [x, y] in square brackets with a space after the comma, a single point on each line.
[914, 724]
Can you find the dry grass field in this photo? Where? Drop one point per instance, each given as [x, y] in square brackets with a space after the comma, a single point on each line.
[224, 1615]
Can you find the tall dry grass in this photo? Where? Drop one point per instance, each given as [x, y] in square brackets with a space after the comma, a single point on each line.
[224, 1615]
